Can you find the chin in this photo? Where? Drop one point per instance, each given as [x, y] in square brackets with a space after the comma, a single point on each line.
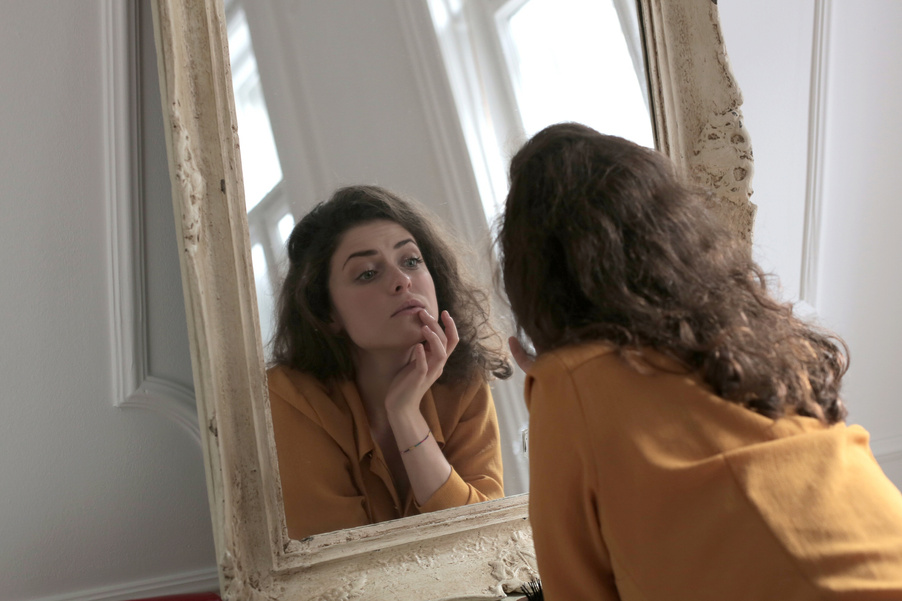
[395, 341]
[414, 338]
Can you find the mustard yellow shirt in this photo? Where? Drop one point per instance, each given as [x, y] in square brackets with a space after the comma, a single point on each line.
[646, 486]
[333, 473]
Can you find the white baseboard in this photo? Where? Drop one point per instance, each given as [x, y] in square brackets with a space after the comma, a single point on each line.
[197, 581]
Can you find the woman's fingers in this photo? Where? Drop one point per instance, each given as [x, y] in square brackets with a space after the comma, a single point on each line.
[427, 359]
[523, 359]
[438, 353]
[450, 331]
[430, 356]
[448, 335]
[421, 363]
[406, 389]
[430, 322]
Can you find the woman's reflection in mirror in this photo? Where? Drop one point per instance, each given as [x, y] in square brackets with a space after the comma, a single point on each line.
[687, 439]
[382, 354]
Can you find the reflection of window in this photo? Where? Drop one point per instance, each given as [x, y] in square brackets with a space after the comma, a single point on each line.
[259, 158]
[269, 216]
[518, 65]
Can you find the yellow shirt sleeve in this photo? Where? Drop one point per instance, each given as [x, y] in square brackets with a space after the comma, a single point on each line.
[318, 492]
[471, 445]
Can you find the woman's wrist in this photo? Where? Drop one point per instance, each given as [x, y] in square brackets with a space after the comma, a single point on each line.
[408, 426]
[400, 406]
[414, 446]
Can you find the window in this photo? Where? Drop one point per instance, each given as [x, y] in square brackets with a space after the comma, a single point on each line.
[270, 219]
[517, 66]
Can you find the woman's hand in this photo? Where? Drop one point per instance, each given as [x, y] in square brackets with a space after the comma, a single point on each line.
[427, 361]
[426, 466]
[523, 358]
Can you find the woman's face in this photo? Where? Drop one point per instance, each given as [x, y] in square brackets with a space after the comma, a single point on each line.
[378, 282]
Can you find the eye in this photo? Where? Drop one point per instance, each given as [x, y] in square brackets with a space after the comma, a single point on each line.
[412, 262]
[367, 275]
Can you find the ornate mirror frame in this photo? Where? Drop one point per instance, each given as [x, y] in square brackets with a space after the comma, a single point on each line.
[480, 551]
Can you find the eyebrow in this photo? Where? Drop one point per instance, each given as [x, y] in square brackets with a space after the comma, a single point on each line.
[369, 253]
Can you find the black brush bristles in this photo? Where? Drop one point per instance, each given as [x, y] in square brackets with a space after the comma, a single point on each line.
[533, 590]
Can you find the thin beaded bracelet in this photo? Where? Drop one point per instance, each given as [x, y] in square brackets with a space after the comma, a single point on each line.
[409, 449]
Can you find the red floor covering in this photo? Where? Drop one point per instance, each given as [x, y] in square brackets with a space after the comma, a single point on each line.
[191, 597]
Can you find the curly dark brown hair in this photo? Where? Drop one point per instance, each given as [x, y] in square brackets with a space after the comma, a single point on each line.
[303, 339]
[601, 241]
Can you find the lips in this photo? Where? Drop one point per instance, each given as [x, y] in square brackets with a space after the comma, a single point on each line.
[409, 306]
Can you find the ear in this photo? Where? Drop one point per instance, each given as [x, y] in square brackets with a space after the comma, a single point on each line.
[335, 326]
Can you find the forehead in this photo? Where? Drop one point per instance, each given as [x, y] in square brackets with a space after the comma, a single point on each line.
[374, 235]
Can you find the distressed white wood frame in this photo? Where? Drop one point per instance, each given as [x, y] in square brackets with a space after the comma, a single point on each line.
[474, 552]
[696, 101]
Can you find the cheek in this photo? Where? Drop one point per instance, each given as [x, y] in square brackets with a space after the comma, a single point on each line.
[429, 287]
[351, 308]
[341, 308]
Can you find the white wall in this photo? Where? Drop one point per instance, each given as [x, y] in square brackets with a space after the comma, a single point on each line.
[97, 502]
[856, 287]
[859, 278]
[771, 59]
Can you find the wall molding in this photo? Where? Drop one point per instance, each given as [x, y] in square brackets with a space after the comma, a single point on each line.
[195, 581]
[119, 29]
[132, 385]
[166, 398]
[811, 235]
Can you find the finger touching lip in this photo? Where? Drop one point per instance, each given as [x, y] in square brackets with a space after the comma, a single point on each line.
[409, 309]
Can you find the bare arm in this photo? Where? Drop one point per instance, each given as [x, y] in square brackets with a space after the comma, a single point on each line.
[426, 466]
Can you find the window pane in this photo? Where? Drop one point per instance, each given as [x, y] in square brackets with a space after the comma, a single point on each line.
[259, 157]
[258, 259]
[265, 300]
[571, 62]
[286, 224]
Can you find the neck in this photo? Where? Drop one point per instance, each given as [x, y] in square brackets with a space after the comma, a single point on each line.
[374, 374]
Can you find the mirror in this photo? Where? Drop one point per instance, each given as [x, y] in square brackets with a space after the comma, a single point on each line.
[291, 61]
[479, 551]
[332, 89]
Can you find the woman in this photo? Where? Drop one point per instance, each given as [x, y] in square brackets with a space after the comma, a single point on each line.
[686, 431]
[382, 351]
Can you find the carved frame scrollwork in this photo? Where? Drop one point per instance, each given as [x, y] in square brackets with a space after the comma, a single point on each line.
[474, 552]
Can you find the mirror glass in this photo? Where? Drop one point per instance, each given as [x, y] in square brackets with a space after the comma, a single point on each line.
[429, 99]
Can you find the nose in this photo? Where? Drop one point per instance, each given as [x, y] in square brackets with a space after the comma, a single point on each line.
[401, 281]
